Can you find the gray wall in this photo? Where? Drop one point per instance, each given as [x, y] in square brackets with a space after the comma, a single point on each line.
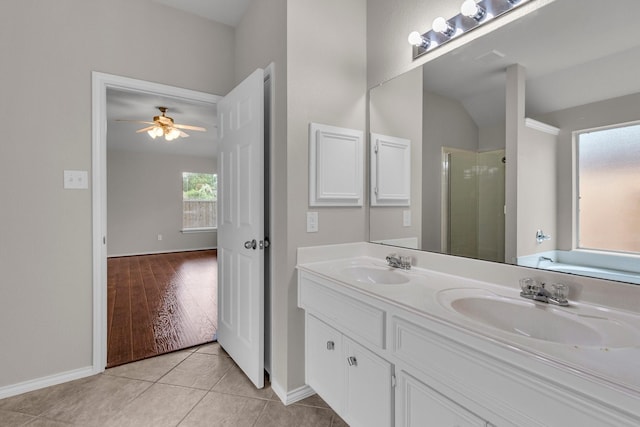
[49, 50]
[144, 193]
[326, 83]
[319, 78]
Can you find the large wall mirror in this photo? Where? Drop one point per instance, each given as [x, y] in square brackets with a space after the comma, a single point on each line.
[550, 181]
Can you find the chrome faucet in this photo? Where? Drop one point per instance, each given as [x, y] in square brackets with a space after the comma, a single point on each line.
[532, 289]
[544, 258]
[395, 261]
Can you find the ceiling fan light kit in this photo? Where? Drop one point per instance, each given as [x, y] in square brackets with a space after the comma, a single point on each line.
[164, 125]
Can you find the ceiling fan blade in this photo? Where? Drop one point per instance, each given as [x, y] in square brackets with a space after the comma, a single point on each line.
[135, 121]
[184, 135]
[145, 129]
[189, 127]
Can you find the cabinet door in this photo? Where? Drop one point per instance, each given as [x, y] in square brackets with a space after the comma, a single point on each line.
[324, 362]
[368, 387]
[419, 405]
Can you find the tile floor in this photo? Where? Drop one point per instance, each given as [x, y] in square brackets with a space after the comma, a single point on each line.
[200, 386]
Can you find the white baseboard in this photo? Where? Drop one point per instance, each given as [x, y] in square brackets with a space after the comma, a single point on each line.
[167, 251]
[293, 396]
[38, 383]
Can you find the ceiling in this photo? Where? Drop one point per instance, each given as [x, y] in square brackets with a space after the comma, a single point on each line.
[228, 12]
[130, 105]
[127, 105]
[570, 59]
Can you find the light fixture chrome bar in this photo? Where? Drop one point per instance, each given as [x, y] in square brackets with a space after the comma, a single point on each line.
[463, 24]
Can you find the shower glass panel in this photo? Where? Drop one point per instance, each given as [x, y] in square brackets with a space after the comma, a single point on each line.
[473, 194]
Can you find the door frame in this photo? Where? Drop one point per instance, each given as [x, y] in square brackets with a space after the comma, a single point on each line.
[100, 83]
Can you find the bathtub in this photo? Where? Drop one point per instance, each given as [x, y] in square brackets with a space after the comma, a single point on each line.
[601, 273]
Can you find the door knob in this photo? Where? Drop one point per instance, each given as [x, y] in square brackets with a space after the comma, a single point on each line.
[352, 361]
[250, 244]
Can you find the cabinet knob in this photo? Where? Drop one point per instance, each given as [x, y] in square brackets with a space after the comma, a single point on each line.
[331, 345]
[352, 361]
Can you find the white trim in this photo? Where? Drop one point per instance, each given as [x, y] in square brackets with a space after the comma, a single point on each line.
[38, 383]
[542, 127]
[294, 395]
[100, 83]
[168, 251]
[199, 230]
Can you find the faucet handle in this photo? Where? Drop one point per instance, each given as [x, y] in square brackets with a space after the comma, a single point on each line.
[405, 262]
[560, 293]
[529, 286]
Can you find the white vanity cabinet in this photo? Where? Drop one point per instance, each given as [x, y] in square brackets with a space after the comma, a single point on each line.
[353, 380]
[378, 362]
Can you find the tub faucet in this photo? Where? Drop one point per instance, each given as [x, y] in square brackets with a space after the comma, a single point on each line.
[544, 258]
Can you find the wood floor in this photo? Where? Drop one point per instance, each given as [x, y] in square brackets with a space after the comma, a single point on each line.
[160, 303]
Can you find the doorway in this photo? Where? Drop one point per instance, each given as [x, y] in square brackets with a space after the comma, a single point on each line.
[102, 84]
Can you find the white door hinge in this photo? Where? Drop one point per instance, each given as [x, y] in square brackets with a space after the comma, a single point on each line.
[393, 381]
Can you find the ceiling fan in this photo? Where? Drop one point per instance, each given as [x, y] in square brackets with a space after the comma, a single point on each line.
[164, 125]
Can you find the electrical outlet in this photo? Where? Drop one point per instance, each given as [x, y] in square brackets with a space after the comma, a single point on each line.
[312, 222]
[406, 218]
[76, 180]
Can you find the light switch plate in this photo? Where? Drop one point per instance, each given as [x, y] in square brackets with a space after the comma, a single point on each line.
[312, 222]
[406, 218]
[76, 180]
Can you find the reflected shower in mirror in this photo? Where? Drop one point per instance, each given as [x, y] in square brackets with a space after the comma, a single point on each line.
[493, 127]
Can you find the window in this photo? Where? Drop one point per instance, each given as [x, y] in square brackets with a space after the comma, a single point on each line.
[609, 189]
[199, 201]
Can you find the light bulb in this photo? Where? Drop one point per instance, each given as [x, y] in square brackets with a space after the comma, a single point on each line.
[151, 133]
[440, 25]
[415, 38]
[158, 130]
[471, 9]
[168, 137]
[174, 133]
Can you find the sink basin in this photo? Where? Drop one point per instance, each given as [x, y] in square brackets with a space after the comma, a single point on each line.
[572, 326]
[375, 275]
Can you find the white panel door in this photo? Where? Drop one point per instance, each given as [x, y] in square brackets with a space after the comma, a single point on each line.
[241, 226]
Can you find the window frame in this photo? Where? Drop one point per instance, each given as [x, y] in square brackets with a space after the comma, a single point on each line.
[576, 188]
[194, 230]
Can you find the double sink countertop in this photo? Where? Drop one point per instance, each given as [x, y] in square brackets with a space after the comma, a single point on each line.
[591, 340]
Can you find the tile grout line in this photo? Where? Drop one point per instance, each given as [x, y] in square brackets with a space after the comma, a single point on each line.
[264, 408]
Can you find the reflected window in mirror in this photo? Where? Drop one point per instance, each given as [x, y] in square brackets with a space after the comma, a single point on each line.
[608, 169]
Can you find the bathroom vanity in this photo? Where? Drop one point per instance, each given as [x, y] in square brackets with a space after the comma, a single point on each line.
[430, 347]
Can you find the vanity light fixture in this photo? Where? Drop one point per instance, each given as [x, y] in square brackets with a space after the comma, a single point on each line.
[473, 13]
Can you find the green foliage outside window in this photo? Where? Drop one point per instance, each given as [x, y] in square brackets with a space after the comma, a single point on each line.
[199, 186]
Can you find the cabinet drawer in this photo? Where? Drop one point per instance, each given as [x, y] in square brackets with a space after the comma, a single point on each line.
[353, 317]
